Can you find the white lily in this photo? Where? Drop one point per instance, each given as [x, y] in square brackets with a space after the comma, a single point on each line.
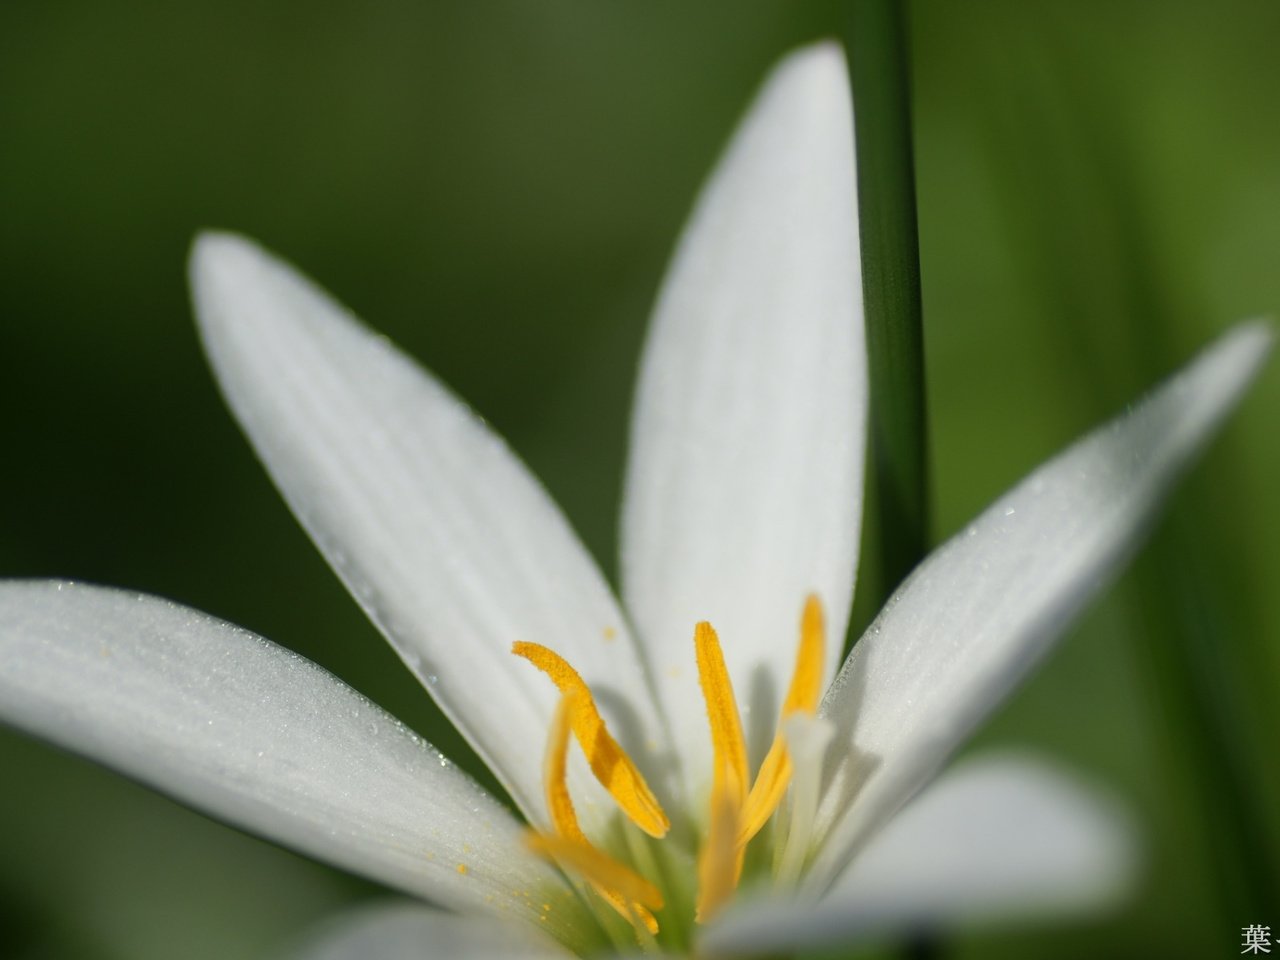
[742, 508]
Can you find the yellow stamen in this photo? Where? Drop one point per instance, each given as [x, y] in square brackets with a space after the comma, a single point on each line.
[736, 815]
[609, 762]
[559, 804]
[612, 880]
[721, 856]
[622, 888]
[802, 697]
[727, 741]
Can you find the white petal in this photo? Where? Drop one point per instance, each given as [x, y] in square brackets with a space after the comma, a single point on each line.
[985, 606]
[444, 538]
[743, 488]
[999, 838]
[262, 738]
[410, 932]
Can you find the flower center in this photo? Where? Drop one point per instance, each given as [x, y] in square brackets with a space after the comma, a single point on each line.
[737, 812]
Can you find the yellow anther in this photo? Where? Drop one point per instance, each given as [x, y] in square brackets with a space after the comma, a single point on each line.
[609, 762]
[727, 741]
[559, 804]
[806, 682]
[802, 697]
[612, 880]
[721, 856]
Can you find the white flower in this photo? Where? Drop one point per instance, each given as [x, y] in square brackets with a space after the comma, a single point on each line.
[741, 513]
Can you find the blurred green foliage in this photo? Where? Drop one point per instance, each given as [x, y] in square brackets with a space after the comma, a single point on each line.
[497, 187]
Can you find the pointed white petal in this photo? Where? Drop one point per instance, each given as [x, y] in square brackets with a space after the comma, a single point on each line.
[403, 931]
[999, 838]
[743, 488]
[444, 538]
[262, 738]
[984, 607]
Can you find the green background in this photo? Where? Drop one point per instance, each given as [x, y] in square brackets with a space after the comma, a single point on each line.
[497, 186]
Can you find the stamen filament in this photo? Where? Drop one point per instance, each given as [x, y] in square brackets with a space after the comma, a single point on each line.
[807, 740]
[609, 762]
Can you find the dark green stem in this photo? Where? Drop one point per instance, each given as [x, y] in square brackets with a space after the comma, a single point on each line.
[891, 282]
[878, 66]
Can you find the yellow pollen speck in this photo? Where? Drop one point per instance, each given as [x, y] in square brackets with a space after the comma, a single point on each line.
[462, 868]
[610, 634]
